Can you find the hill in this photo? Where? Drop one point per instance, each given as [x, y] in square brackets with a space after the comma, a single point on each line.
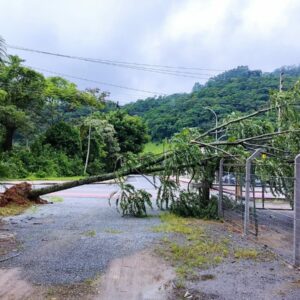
[239, 89]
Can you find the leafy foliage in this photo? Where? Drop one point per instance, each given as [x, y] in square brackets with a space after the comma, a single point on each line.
[190, 204]
[239, 90]
[64, 137]
[131, 131]
[22, 99]
[132, 202]
[166, 192]
[50, 118]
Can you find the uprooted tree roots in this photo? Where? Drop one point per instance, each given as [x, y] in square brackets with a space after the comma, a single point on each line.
[18, 194]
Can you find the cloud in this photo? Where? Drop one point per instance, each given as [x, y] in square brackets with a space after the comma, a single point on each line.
[204, 33]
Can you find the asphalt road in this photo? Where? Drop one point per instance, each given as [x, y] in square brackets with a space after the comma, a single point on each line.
[74, 240]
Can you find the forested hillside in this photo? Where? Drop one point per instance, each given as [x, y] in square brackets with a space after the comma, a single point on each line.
[239, 90]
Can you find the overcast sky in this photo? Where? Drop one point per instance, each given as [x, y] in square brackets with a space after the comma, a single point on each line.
[208, 34]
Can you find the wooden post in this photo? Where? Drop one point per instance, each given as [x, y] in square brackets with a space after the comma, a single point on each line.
[263, 194]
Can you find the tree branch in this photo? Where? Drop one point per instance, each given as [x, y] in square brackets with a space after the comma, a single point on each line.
[234, 121]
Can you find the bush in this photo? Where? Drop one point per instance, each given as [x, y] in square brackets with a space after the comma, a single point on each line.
[46, 162]
[190, 204]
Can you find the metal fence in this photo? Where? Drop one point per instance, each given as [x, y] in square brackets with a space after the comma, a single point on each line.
[251, 205]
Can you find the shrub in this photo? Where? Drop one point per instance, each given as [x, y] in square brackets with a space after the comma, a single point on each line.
[190, 204]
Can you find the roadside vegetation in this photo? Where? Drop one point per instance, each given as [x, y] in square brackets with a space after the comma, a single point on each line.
[51, 129]
[13, 209]
[190, 247]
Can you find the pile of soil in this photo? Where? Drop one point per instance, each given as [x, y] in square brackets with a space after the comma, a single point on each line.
[18, 194]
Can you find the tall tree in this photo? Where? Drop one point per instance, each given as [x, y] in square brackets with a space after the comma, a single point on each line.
[62, 96]
[22, 98]
[131, 131]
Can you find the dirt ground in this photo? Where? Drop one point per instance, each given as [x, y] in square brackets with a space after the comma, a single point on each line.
[139, 276]
[145, 276]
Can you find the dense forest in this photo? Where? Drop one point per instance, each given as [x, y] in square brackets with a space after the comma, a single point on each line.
[50, 128]
[238, 90]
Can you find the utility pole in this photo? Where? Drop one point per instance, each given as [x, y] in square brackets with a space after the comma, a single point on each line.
[216, 118]
[280, 90]
[281, 81]
[88, 150]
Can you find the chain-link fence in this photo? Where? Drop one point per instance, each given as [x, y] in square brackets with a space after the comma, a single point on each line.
[271, 214]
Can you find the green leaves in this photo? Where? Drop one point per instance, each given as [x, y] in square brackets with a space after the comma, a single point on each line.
[131, 131]
[167, 192]
[132, 202]
[191, 204]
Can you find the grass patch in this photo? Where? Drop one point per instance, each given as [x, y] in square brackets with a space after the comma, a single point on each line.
[30, 178]
[56, 199]
[90, 233]
[113, 231]
[190, 248]
[156, 148]
[174, 224]
[245, 254]
[13, 209]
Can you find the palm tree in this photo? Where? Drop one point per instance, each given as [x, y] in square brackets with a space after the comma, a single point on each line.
[2, 49]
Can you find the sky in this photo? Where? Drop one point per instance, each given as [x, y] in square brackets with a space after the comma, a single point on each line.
[205, 34]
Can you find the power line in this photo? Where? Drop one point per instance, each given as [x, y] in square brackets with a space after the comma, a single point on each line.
[98, 82]
[171, 70]
[93, 81]
[38, 92]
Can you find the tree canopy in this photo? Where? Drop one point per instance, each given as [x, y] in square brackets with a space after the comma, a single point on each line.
[47, 120]
[239, 90]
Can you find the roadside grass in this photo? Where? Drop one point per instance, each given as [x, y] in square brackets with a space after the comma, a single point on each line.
[156, 148]
[113, 231]
[90, 233]
[13, 209]
[32, 178]
[245, 254]
[189, 248]
[55, 199]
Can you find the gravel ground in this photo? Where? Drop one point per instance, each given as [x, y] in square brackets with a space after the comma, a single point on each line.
[68, 242]
[265, 277]
[74, 240]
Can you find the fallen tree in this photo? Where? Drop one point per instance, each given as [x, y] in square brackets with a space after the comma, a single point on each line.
[198, 154]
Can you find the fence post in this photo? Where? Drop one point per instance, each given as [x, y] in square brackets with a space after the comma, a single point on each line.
[247, 192]
[220, 199]
[297, 212]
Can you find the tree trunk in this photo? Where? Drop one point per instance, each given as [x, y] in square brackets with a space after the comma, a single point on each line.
[205, 187]
[34, 194]
[88, 151]
[8, 138]
[147, 167]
